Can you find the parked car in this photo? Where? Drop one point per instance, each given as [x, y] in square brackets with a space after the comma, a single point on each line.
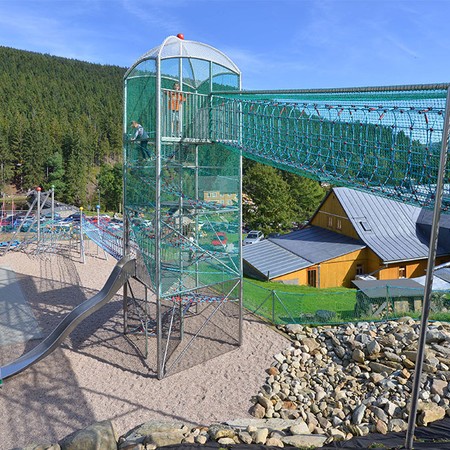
[75, 217]
[253, 237]
[220, 239]
[48, 216]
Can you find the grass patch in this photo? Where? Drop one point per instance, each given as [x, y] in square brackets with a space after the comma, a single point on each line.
[297, 304]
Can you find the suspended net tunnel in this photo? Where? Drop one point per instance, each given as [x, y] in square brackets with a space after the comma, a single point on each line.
[187, 124]
[386, 141]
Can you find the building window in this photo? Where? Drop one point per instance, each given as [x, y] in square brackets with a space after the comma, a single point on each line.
[330, 221]
[338, 224]
[359, 269]
[312, 277]
[402, 272]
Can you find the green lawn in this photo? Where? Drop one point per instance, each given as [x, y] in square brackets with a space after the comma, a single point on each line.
[283, 303]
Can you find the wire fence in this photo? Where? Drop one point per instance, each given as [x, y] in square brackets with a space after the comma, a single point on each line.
[341, 306]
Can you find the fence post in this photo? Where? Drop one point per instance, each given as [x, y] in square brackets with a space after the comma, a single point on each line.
[388, 302]
[273, 306]
[83, 259]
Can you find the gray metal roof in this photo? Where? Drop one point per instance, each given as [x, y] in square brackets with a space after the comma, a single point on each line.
[388, 227]
[403, 287]
[298, 250]
[270, 259]
[317, 244]
[441, 278]
[443, 274]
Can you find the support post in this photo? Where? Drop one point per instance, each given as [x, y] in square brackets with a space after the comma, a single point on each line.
[429, 277]
[158, 275]
[38, 189]
[82, 256]
[53, 203]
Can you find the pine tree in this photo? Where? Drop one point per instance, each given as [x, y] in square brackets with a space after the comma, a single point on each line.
[274, 207]
[306, 193]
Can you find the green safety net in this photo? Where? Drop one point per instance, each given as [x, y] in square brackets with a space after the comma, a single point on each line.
[386, 141]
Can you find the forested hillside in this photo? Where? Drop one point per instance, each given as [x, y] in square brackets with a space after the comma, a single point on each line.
[60, 120]
[61, 125]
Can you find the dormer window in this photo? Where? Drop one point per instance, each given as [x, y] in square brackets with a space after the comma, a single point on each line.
[365, 225]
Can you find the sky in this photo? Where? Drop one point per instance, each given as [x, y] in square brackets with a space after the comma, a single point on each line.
[277, 44]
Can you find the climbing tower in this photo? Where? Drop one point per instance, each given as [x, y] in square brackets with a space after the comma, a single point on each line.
[182, 204]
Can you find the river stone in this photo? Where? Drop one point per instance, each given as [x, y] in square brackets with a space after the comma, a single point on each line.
[201, 439]
[373, 348]
[274, 442]
[337, 434]
[304, 440]
[438, 387]
[190, 439]
[162, 438]
[218, 431]
[100, 435]
[226, 441]
[340, 351]
[273, 371]
[380, 368]
[270, 424]
[299, 428]
[258, 411]
[397, 425]
[429, 412]
[358, 414]
[153, 426]
[393, 357]
[245, 437]
[294, 328]
[435, 335]
[312, 344]
[358, 355]
[260, 436]
[381, 427]
[379, 414]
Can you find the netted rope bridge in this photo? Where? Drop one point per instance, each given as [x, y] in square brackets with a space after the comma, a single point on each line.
[383, 140]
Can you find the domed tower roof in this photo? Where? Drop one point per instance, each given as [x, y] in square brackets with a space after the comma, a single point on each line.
[174, 47]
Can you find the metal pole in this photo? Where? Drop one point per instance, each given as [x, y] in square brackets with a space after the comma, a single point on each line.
[429, 277]
[197, 234]
[53, 203]
[83, 259]
[241, 263]
[38, 189]
[159, 353]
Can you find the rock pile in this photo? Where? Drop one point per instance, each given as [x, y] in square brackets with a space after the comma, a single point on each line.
[354, 379]
[155, 434]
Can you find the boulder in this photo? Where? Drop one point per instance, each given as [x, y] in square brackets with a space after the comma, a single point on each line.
[99, 436]
[429, 412]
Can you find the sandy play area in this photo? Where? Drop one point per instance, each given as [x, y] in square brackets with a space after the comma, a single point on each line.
[97, 373]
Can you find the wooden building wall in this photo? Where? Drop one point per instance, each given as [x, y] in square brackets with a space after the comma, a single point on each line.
[336, 272]
[332, 216]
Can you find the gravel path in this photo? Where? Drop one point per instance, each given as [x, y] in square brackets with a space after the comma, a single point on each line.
[97, 373]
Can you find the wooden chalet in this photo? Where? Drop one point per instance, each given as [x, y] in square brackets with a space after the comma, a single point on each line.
[352, 234]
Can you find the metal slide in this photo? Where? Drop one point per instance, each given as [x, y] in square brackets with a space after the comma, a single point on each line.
[121, 272]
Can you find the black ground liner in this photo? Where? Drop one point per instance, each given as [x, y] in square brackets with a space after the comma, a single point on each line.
[433, 437]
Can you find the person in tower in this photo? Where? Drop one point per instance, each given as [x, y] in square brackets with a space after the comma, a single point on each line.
[141, 136]
[176, 100]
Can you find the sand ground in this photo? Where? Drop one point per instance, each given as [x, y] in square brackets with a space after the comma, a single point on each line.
[98, 374]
